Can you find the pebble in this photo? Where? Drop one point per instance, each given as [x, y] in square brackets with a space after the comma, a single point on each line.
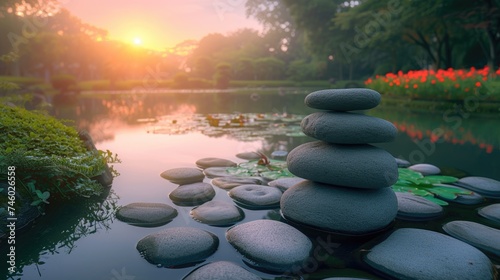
[256, 196]
[482, 185]
[343, 99]
[425, 169]
[285, 183]
[348, 128]
[491, 212]
[227, 183]
[192, 194]
[184, 175]
[270, 245]
[412, 207]
[146, 214]
[214, 172]
[357, 166]
[217, 213]
[402, 163]
[214, 162]
[339, 209]
[477, 235]
[249, 155]
[221, 270]
[178, 246]
[410, 253]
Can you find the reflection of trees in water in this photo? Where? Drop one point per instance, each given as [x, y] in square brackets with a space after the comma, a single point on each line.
[61, 227]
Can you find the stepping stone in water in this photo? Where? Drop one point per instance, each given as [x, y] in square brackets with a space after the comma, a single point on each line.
[348, 128]
[214, 162]
[192, 194]
[425, 169]
[491, 212]
[482, 185]
[178, 246]
[285, 183]
[182, 176]
[410, 253]
[217, 213]
[146, 214]
[270, 245]
[343, 99]
[339, 209]
[214, 172]
[256, 196]
[221, 270]
[416, 208]
[356, 166]
[228, 183]
[249, 155]
[477, 235]
[402, 163]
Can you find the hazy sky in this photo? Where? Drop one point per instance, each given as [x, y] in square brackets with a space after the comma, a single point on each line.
[162, 23]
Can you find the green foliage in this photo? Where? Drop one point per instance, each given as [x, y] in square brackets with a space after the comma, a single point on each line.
[63, 82]
[222, 76]
[270, 169]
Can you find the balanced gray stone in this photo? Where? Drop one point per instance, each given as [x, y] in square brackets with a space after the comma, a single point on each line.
[217, 213]
[285, 183]
[466, 199]
[178, 246]
[477, 235]
[256, 196]
[270, 245]
[410, 253]
[146, 214]
[357, 166]
[221, 270]
[425, 169]
[343, 99]
[348, 128]
[214, 162]
[214, 172]
[192, 194]
[339, 209]
[482, 185]
[491, 212]
[228, 183]
[183, 175]
[412, 207]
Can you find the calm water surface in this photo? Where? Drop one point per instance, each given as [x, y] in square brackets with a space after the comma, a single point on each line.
[85, 241]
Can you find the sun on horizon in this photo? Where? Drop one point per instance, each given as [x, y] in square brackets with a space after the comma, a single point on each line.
[137, 41]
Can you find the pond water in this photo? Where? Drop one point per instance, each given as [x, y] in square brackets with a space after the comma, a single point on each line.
[154, 133]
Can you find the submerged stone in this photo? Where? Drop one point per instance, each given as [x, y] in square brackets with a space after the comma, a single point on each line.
[217, 213]
[491, 212]
[214, 162]
[425, 169]
[285, 183]
[348, 128]
[270, 245]
[227, 183]
[221, 270]
[178, 246]
[192, 194]
[184, 175]
[256, 196]
[146, 214]
[412, 207]
[477, 235]
[343, 99]
[482, 185]
[410, 253]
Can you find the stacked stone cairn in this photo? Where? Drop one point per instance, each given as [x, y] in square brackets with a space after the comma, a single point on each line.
[347, 190]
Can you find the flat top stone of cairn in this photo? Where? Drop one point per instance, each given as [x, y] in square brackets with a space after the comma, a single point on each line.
[343, 99]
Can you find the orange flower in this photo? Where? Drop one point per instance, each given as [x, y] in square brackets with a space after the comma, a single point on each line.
[415, 86]
[478, 84]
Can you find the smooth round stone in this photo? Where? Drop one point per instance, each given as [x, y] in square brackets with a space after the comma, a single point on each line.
[192, 194]
[270, 245]
[466, 199]
[425, 169]
[412, 207]
[491, 212]
[221, 270]
[339, 209]
[477, 235]
[249, 155]
[402, 163]
[344, 278]
[256, 196]
[357, 166]
[343, 99]
[183, 175]
[410, 253]
[228, 183]
[348, 128]
[146, 214]
[279, 154]
[214, 172]
[178, 246]
[285, 183]
[482, 185]
[217, 213]
[214, 162]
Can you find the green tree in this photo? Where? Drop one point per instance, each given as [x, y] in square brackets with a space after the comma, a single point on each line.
[222, 76]
[270, 68]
